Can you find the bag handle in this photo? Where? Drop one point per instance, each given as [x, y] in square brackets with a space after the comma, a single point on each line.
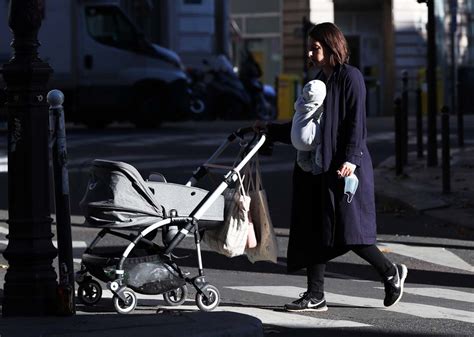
[241, 184]
[258, 175]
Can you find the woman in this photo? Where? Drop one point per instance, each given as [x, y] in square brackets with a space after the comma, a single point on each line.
[324, 224]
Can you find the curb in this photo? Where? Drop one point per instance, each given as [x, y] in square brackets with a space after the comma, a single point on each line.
[171, 324]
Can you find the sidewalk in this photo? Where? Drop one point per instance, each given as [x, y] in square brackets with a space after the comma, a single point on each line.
[167, 324]
[420, 188]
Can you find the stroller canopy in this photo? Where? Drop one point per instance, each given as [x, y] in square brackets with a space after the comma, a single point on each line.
[117, 196]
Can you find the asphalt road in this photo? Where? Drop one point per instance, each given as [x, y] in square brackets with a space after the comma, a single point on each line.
[439, 292]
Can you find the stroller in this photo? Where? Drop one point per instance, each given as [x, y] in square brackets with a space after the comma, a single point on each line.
[117, 199]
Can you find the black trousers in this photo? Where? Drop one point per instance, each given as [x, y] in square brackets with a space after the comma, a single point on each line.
[369, 253]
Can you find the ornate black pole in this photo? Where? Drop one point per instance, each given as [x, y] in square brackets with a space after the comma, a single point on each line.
[30, 283]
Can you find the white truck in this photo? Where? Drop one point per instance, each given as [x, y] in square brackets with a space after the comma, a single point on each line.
[107, 69]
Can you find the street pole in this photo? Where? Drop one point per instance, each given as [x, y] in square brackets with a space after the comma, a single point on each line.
[404, 117]
[454, 107]
[306, 26]
[445, 149]
[30, 283]
[432, 146]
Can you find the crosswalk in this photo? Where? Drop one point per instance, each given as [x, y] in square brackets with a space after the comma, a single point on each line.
[456, 305]
[275, 316]
[150, 161]
[421, 303]
[403, 307]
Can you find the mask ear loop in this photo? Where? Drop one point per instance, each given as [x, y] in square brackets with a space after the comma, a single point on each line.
[350, 196]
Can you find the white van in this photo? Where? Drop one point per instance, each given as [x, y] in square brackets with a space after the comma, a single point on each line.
[106, 68]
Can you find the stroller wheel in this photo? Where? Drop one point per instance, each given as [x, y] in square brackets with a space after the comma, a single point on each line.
[177, 296]
[212, 300]
[129, 305]
[89, 292]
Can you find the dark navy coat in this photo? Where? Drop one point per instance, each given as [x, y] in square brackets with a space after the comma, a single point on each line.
[321, 217]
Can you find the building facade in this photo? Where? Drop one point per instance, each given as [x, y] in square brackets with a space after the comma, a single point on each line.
[195, 29]
[386, 38]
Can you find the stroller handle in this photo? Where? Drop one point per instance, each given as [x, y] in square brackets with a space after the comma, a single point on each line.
[201, 171]
[243, 131]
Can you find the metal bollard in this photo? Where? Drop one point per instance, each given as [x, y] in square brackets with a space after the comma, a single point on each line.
[419, 125]
[446, 166]
[404, 117]
[66, 298]
[398, 136]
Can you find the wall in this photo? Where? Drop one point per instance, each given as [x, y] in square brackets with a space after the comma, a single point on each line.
[257, 26]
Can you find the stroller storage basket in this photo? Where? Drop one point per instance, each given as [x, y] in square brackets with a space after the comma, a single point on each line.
[148, 274]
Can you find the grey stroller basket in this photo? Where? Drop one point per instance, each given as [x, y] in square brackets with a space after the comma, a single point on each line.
[118, 199]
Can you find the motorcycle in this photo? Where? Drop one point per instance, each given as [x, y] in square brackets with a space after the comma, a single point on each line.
[218, 92]
[263, 97]
[197, 93]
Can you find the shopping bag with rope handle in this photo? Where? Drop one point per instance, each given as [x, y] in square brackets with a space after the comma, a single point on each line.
[267, 246]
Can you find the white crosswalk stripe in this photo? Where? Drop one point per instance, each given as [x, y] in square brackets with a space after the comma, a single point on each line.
[436, 255]
[447, 294]
[413, 309]
[267, 316]
[157, 161]
[75, 244]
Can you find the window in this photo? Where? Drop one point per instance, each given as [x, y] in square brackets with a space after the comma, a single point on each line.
[108, 25]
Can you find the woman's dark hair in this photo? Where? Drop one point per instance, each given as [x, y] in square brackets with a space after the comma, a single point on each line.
[332, 39]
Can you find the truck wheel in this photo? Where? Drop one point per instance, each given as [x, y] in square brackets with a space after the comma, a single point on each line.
[149, 108]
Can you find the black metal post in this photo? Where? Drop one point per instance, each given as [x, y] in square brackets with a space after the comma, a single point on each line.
[404, 117]
[30, 283]
[432, 148]
[398, 136]
[419, 124]
[460, 122]
[306, 26]
[454, 107]
[66, 303]
[446, 167]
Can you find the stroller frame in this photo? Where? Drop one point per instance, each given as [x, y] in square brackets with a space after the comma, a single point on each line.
[207, 295]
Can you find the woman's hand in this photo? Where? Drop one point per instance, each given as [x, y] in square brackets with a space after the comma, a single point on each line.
[346, 170]
[260, 126]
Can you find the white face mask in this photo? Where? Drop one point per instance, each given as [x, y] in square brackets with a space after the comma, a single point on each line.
[350, 186]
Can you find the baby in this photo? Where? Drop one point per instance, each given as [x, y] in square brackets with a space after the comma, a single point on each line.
[306, 128]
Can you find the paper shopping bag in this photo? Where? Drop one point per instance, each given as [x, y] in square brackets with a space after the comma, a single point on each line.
[267, 246]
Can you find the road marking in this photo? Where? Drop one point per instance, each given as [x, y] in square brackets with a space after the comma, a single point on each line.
[448, 294]
[3, 230]
[290, 320]
[413, 309]
[3, 162]
[436, 255]
[277, 318]
[75, 244]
